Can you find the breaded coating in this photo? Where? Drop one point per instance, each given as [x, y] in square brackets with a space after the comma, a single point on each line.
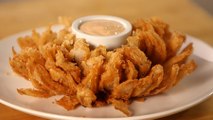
[111, 75]
[58, 63]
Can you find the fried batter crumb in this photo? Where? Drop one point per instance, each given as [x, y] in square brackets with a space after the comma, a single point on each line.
[57, 63]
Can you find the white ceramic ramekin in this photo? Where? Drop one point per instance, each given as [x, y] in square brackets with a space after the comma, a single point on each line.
[112, 41]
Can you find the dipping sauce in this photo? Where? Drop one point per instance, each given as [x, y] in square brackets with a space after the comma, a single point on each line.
[108, 31]
[101, 27]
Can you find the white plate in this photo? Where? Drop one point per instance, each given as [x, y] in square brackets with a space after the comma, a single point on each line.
[189, 92]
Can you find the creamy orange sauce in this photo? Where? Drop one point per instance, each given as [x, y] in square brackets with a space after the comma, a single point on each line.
[102, 27]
